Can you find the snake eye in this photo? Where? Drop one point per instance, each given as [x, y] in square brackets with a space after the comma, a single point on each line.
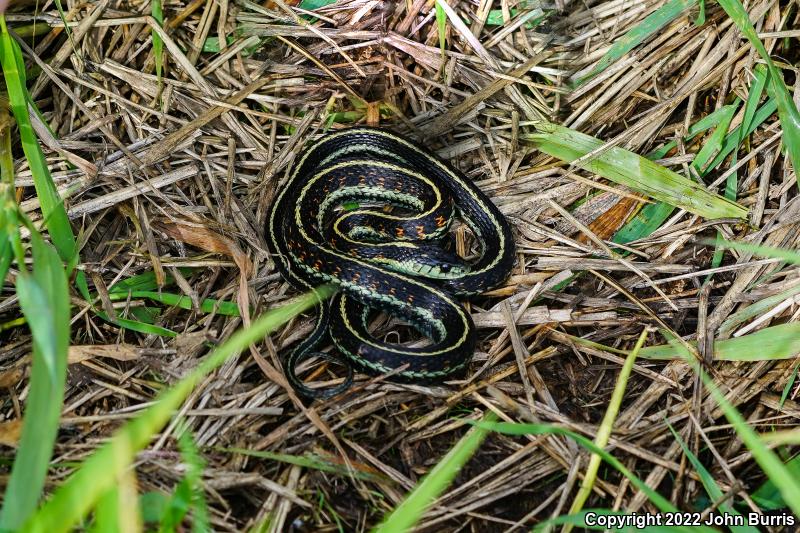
[445, 268]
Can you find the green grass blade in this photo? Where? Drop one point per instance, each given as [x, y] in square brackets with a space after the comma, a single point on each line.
[764, 251]
[63, 16]
[311, 5]
[46, 288]
[143, 286]
[5, 252]
[53, 211]
[769, 344]
[644, 223]
[513, 428]
[137, 325]
[8, 228]
[114, 511]
[732, 182]
[152, 506]
[208, 305]
[714, 143]
[787, 111]
[606, 426]
[773, 467]
[583, 520]
[534, 17]
[704, 124]
[710, 484]
[701, 14]
[441, 24]
[107, 515]
[629, 169]
[753, 98]
[309, 461]
[652, 216]
[77, 496]
[176, 508]
[651, 25]
[732, 140]
[409, 512]
[768, 496]
[788, 388]
[756, 308]
[194, 479]
[143, 282]
[8, 204]
[158, 44]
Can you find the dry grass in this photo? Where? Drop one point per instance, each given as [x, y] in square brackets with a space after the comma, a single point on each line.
[174, 175]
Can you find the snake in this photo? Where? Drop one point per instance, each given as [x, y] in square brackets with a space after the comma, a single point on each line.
[372, 212]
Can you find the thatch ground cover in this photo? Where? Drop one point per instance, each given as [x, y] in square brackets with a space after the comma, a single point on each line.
[167, 128]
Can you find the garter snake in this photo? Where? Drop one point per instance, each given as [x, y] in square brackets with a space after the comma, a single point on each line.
[386, 254]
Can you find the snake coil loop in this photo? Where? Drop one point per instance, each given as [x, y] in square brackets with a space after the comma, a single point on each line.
[385, 254]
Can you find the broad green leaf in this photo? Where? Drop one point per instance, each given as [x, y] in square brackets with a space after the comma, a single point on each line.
[631, 170]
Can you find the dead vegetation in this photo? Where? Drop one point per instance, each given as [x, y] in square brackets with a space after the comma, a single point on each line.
[171, 174]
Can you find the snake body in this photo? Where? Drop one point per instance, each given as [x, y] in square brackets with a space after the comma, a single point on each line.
[383, 258]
